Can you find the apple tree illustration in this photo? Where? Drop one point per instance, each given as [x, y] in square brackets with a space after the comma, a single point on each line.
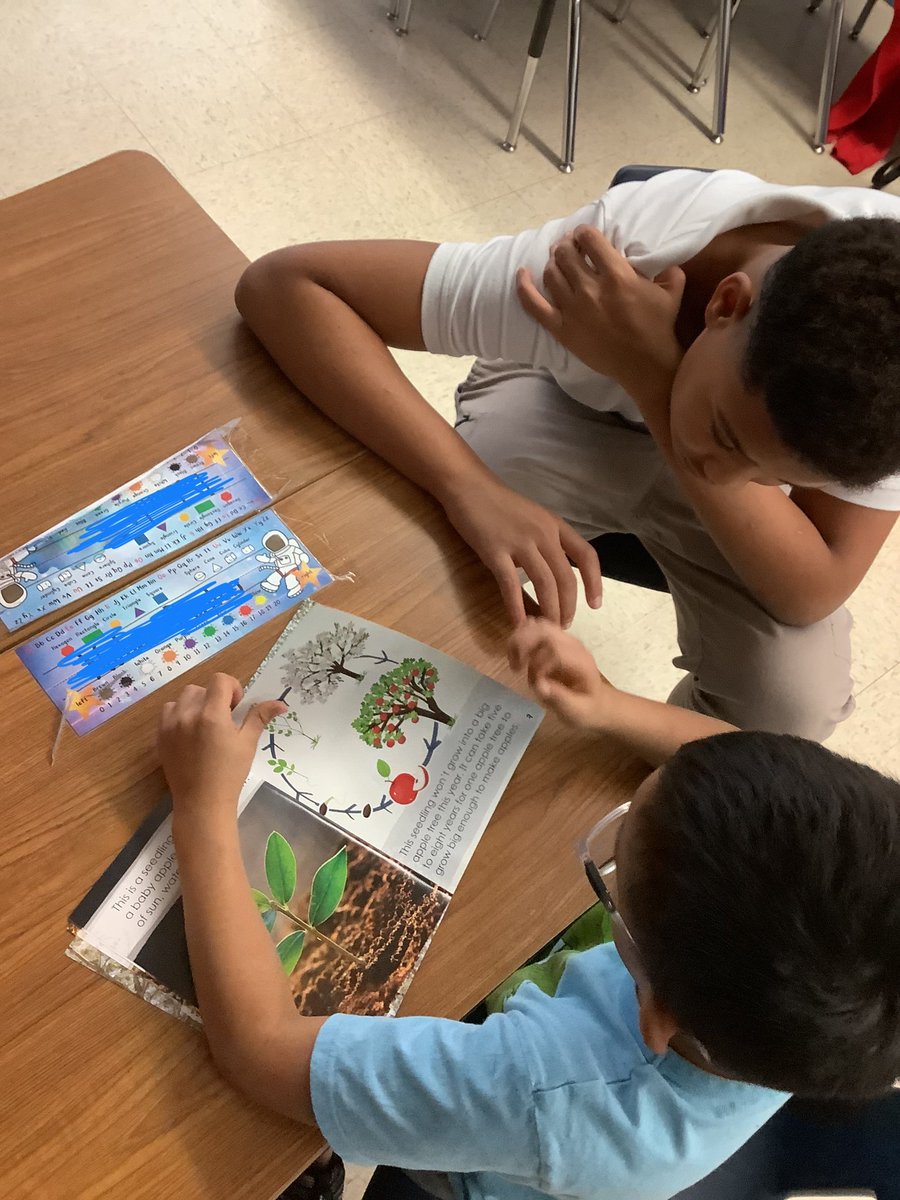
[399, 697]
[328, 887]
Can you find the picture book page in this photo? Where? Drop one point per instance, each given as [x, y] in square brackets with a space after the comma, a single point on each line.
[399, 745]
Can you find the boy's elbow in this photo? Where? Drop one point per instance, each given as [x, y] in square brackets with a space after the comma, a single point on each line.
[269, 1069]
[802, 611]
[258, 287]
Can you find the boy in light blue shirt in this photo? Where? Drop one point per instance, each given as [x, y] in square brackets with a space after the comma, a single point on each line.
[753, 883]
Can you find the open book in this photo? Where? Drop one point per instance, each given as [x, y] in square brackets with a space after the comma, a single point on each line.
[364, 804]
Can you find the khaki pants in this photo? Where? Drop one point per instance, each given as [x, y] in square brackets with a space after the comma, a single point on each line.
[603, 475]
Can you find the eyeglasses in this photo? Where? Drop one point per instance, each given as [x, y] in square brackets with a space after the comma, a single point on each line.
[598, 855]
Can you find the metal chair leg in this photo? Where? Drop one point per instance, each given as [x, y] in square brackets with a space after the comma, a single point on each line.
[814, 6]
[391, 13]
[535, 50]
[722, 62]
[699, 77]
[481, 34]
[826, 89]
[404, 9]
[573, 62]
[861, 19]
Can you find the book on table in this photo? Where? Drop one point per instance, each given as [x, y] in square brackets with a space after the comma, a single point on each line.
[364, 803]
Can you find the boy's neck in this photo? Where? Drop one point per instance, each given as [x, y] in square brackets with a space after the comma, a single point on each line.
[735, 250]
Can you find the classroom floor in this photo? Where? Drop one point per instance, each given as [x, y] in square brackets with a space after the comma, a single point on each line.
[292, 120]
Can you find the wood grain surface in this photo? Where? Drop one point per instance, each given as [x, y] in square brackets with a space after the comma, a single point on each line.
[104, 1097]
[120, 343]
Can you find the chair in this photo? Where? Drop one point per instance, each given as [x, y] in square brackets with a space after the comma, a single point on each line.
[401, 10]
[721, 21]
[402, 26]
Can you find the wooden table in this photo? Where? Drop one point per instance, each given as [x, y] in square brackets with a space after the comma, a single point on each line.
[120, 343]
[104, 1097]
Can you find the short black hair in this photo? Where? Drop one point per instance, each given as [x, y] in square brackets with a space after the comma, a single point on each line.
[824, 349]
[764, 899]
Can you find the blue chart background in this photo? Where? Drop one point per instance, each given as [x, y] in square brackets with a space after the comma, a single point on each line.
[147, 634]
[174, 504]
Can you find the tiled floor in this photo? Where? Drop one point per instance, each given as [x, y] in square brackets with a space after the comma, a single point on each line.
[292, 120]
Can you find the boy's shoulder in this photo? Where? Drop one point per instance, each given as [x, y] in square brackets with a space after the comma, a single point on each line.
[631, 1114]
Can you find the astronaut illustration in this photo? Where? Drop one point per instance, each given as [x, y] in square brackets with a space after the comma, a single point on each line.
[287, 558]
[12, 593]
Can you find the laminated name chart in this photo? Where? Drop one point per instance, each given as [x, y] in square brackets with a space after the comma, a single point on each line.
[175, 504]
[102, 661]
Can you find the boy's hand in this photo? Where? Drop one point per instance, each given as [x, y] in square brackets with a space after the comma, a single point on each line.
[562, 673]
[616, 321]
[204, 755]
[507, 531]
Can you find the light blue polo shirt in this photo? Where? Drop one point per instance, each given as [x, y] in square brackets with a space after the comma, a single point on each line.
[555, 1096]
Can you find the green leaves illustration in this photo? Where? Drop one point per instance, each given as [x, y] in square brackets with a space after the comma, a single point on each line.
[281, 868]
[328, 887]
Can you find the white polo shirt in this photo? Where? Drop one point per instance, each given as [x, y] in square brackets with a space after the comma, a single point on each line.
[469, 302]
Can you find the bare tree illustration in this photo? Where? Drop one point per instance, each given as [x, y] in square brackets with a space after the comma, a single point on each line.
[315, 671]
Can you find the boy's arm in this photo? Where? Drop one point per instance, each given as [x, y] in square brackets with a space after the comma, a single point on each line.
[327, 313]
[258, 1040]
[801, 555]
[562, 673]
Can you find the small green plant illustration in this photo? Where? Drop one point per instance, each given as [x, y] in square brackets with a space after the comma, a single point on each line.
[281, 766]
[404, 694]
[288, 724]
[328, 886]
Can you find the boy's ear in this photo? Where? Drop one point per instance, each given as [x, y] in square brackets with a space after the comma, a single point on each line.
[731, 301]
[657, 1024]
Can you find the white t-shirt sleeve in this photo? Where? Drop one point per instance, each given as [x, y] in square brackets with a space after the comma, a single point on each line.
[469, 302]
[884, 496]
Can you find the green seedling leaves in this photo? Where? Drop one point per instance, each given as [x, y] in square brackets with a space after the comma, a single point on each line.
[383, 769]
[269, 918]
[289, 950]
[260, 899]
[281, 868]
[328, 887]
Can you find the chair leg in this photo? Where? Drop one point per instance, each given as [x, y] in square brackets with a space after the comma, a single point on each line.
[699, 77]
[861, 19]
[573, 62]
[722, 61]
[404, 7]
[814, 6]
[391, 13]
[481, 34]
[535, 50]
[619, 15]
[829, 67]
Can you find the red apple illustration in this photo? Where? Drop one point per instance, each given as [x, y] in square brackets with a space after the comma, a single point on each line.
[404, 788]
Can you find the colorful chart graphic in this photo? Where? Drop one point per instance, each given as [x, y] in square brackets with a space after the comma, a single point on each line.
[173, 505]
[100, 662]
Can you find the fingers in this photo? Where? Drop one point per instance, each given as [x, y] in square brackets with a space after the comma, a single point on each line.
[528, 637]
[600, 250]
[672, 280]
[571, 264]
[504, 571]
[260, 715]
[223, 690]
[584, 556]
[545, 586]
[535, 304]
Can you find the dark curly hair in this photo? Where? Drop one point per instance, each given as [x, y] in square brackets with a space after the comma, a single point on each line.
[824, 349]
[764, 898]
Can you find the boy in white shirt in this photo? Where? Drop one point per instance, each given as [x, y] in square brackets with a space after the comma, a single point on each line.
[750, 329]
